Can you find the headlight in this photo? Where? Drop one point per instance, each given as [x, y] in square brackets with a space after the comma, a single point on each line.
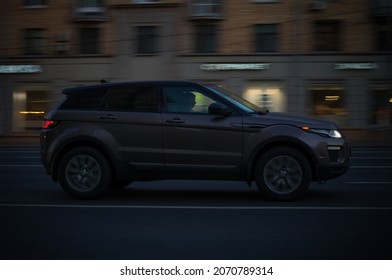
[333, 133]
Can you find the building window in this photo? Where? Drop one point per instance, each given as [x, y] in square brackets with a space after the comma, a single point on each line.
[89, 10]
[328, 102]
[89, 40]
[144, 1]
[34, 3]
[206, 8]
[327, 35]
[266, 38]
[383, 37]
[147, 39]
[34, 41]
[381, 113]
[205, 39]
[89, 3]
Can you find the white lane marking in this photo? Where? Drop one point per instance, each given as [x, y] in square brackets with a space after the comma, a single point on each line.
[372, 167]
[370, 158]
[371, 152]
[20, 151]
[29, 157]
[20, 165]
[369, 183]
[162, 207]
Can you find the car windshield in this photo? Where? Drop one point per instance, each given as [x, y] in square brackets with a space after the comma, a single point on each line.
[245, 105]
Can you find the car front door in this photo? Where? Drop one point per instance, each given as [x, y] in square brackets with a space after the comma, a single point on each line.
[195, 142]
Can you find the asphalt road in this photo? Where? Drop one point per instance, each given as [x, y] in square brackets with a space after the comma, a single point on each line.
[346, 218]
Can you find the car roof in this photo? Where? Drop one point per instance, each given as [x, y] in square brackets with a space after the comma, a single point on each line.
[134, 83]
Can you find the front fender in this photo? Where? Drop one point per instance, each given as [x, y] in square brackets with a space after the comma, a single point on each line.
[257, 142]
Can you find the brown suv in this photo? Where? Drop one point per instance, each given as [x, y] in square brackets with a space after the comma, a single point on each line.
[111, 134]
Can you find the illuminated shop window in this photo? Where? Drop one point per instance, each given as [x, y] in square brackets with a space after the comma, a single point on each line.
[381, 113]
[270, 97]
[328, 102]
[29, 107]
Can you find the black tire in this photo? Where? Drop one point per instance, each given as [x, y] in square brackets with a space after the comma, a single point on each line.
[283, 173]
[84, 173]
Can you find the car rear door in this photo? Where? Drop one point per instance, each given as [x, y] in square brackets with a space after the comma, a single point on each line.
[133, 119]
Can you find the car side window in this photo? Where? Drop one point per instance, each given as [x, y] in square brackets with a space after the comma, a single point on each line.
[140, 99]
[186, 100]
[90, 99]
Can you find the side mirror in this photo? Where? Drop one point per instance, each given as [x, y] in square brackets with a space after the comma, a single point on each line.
[219, 109]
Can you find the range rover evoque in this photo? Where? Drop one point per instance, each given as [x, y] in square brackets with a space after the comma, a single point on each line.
[111, 134]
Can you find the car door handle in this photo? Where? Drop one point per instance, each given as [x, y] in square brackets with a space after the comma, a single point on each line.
[107, 117]
[175, 120]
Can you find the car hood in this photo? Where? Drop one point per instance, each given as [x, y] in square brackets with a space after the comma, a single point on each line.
[286, 119]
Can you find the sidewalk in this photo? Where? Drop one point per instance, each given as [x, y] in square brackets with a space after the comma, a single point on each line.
[19, 141]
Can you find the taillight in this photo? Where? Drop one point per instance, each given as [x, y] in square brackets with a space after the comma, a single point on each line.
[46, 124]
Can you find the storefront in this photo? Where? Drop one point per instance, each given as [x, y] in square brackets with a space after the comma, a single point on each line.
[30, 103]
[381, 104]
[24, 98]
[354, 95]
[29, 90]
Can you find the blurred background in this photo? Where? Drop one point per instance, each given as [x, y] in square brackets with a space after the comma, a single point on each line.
[326, 58]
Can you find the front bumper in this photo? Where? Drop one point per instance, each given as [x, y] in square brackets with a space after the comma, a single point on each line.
[337, 162]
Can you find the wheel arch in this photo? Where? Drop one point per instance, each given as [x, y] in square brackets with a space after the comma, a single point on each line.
[80, 142]
[280, 142]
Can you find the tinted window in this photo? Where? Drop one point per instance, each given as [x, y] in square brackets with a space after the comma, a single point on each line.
[132, 99]
[90, 99]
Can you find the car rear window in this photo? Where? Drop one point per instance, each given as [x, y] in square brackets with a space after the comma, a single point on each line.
[91, 99]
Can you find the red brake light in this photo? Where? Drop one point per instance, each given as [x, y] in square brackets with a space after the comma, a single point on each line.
[46, 124]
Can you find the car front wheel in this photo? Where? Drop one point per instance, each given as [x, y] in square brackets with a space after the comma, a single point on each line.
[283, 173]
[84, 173]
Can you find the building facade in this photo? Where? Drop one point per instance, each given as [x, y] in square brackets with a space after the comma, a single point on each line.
[326, 58]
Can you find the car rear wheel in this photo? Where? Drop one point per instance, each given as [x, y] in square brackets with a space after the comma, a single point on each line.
[84, 173]
[283, 173]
